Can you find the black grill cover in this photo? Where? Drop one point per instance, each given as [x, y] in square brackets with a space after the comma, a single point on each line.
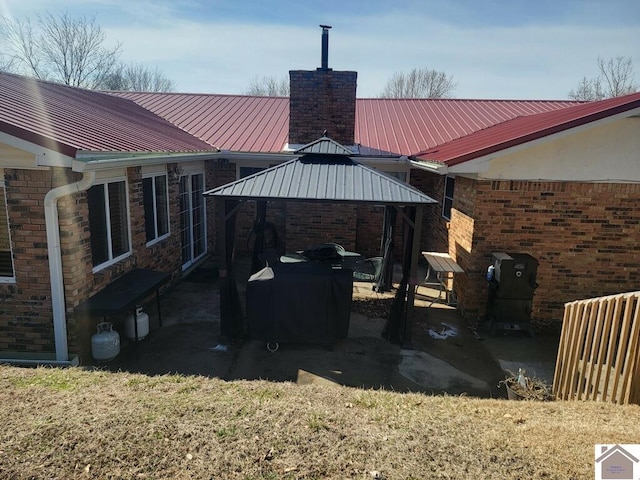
[299, 302]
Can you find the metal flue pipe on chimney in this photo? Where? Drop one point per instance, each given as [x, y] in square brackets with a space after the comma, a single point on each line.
[325, 46]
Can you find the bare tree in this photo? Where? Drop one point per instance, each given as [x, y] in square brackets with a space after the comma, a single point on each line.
[61, 48]
[616, 78]
[588, 89]
[419, 83]
[6, 63]
[268, 87]
[136, 77]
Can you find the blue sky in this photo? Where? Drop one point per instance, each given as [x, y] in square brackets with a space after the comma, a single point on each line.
[533, 49]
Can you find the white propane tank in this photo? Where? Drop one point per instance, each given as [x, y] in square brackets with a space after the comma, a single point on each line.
[105, 343]
[143, 325]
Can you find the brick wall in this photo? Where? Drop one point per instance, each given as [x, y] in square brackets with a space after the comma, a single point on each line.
[434, 236]
[585, 236]
[370, 222]
[300, 225]
[217, 173]
[26, 319]
[312, 223]
[322, 100]
[164, 255]
[25, 307]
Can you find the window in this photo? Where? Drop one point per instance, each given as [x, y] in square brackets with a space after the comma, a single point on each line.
[6, 259]
[246, 171]
[447, 203]
[108, 222]
[156, 207]
[402, 176]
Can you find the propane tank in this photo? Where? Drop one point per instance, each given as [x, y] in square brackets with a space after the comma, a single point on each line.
[143, 325]
[491, 272]
[105, 343]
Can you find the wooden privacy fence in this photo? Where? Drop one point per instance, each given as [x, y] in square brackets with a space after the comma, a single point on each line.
[599, 352]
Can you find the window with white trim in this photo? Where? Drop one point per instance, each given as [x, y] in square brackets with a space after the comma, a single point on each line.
[108, 222]
[156, 207]
[6, 258]
[447, 202]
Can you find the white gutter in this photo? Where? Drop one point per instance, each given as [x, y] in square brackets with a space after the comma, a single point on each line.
[439, 168]
[85, 164]
[55, 260]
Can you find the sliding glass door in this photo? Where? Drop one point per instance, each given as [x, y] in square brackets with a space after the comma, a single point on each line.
[193, 230]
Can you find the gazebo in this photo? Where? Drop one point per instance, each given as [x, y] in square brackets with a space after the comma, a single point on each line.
[324, 171]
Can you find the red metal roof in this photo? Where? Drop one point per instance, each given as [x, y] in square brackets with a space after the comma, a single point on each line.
[527, 128]
[407, 126]
[69, 119]
[383, 126]
[231, 122]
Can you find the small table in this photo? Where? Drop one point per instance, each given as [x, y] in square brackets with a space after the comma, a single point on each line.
[445, 269]
[124, 293]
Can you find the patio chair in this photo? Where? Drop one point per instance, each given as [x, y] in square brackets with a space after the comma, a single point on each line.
[368, 270]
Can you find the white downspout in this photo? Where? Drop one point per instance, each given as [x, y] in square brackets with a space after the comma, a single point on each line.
[55, 259]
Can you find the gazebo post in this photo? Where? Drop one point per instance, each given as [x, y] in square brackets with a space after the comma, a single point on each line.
[413, 276]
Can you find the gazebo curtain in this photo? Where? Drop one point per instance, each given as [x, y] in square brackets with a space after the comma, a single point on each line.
[385, 280]
[400, 322]
[230, 308]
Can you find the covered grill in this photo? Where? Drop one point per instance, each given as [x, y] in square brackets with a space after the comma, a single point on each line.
[304, 302]
[512, 283]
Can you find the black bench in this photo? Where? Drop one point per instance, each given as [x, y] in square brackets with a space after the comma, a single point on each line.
[124, 293]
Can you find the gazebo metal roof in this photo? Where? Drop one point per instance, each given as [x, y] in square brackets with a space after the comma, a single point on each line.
[325, 145]
[323, 178]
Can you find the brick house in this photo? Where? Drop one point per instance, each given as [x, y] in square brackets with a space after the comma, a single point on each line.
[92, 187]
[95, 184]
[562, 186]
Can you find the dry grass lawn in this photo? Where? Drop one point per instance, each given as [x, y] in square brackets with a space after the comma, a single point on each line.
[77, 424]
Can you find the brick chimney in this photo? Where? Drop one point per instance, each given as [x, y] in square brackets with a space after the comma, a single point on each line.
[320, 100]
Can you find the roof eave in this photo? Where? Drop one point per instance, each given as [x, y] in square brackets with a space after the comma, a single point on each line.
[316, 200]
[43, 155]
[133, 160]
[556, 131]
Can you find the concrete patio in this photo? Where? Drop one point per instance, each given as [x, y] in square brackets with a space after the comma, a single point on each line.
[449, 355]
